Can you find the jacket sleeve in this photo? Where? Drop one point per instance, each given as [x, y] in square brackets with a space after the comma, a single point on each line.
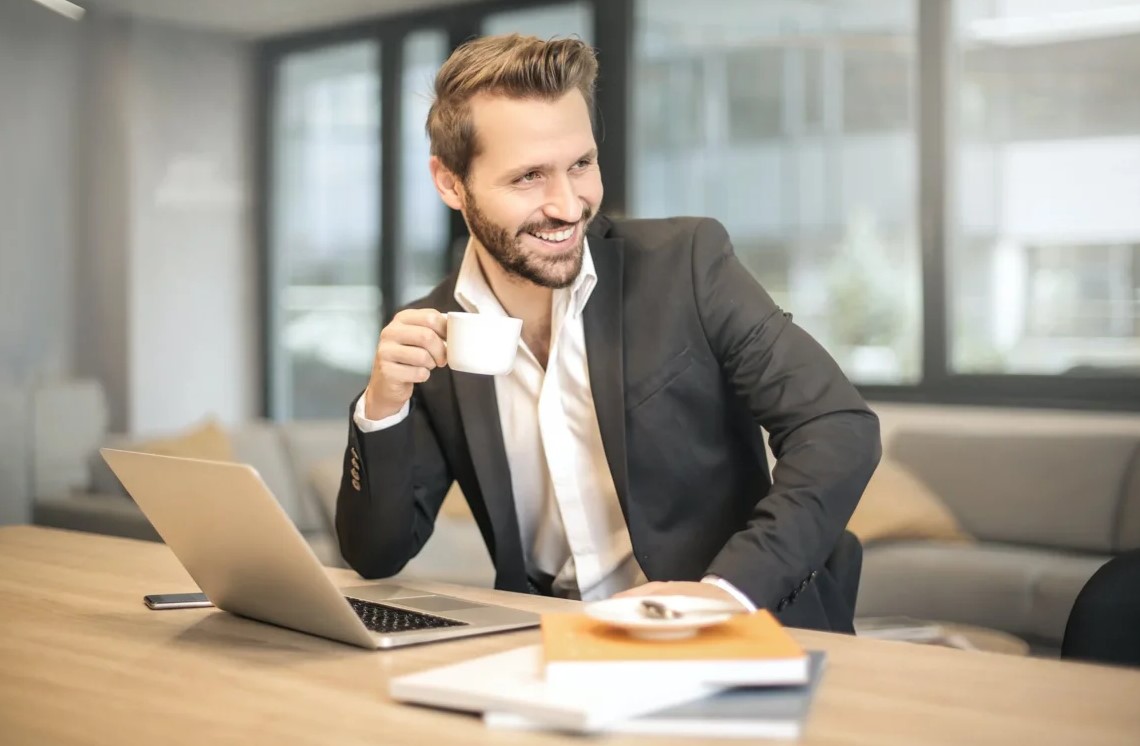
[823, 435]
[391, 489]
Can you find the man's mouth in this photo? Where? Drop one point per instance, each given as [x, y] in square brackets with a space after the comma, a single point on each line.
[555, 238]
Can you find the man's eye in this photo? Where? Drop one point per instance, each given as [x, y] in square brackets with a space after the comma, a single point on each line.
[584, 163]
[529, 176]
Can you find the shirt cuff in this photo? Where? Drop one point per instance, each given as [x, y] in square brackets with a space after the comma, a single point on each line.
[731, 589]
[370, 426]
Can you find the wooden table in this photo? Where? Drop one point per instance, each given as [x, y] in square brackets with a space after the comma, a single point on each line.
[83, 661]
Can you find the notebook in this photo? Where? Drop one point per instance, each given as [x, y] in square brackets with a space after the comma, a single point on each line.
[512, 682]
[739, 712]
[748, 649]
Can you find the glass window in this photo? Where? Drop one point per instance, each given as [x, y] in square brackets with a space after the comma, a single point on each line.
[818, 192]
[1046, 234]
[324, 233]
[545, 22]
[422, 243]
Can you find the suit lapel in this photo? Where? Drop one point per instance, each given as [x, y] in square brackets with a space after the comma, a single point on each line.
[479, 413]
[602, 320]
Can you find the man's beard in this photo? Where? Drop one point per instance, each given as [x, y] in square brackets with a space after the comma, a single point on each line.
[548, 271]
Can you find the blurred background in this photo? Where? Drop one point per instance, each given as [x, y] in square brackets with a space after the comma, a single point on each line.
[207, 209]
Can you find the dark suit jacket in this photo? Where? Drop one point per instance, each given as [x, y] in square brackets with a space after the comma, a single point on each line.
[689, 358]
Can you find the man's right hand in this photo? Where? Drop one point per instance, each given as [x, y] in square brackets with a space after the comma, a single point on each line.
[410, 347]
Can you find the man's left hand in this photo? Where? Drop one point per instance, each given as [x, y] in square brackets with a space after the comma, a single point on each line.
[681, 588]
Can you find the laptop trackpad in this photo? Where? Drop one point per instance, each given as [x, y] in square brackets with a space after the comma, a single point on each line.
[438, 603]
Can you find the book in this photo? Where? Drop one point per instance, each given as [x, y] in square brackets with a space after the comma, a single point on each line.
[898, 628]
[512, 682]
[748, 649]
[738, 712]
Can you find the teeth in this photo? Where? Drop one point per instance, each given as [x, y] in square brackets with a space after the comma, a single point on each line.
[556, 237]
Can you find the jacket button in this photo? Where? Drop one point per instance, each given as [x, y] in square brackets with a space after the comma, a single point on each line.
[356, 485]
[355, 475]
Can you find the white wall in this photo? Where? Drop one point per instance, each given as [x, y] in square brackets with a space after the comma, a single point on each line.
[169, 320]
[193, 292]
[37, 167]
[38, 87]
[126, 252]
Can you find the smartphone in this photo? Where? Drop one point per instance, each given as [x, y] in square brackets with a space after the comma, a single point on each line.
[177, 601]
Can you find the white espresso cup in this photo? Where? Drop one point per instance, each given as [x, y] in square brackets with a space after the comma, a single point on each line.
[478, 343]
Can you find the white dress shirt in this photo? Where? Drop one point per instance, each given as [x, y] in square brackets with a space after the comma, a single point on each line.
[569, 517]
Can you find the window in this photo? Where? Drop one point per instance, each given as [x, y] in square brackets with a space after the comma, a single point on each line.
[942, 191]
[423, 240]
[545, 21]
[1044, 248]
[324, 230]
[821, 208]
[755, 94]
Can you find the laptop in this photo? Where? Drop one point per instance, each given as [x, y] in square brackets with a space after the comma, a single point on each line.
[241, 548]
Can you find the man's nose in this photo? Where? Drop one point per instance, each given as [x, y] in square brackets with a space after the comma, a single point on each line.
[562, 201]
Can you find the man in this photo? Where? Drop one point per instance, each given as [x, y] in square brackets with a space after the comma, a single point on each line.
[625, 446]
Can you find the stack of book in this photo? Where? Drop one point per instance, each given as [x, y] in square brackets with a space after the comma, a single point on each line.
[746, 677]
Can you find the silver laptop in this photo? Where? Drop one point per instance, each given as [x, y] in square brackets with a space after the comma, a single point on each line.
[243, 551]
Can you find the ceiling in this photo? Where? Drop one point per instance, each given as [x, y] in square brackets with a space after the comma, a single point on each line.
[256, 18]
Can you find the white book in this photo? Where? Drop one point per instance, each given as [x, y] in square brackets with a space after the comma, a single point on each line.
[512, 682]
[740, 712]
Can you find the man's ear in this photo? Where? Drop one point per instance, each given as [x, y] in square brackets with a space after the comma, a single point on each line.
[449, 186]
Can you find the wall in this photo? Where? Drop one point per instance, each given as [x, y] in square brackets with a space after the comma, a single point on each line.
[192, 289]
[125, 240]
[38, 87]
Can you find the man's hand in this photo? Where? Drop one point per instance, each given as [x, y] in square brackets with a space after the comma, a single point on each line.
[410, 348]
[681, 588]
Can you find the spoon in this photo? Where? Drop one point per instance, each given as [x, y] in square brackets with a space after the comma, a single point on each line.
[657, 610]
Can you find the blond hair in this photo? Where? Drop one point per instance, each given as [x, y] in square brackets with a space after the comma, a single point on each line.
[511, 65]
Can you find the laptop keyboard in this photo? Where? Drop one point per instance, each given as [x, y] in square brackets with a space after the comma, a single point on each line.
[381, 618]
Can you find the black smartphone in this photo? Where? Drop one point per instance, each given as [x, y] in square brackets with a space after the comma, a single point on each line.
[177, 601]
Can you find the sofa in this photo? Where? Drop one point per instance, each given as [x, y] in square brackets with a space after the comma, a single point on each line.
[1038, 502]
[1042, 500]
[299, 461]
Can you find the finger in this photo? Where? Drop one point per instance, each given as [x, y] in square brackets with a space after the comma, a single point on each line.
[408, 355]
[427, 317]
[400, 373]
[411, 335]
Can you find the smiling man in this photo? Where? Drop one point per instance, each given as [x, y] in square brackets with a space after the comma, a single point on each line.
[624, 451]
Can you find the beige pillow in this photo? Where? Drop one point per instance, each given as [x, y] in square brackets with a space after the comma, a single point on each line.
[455, 505]
[325, 478]
[897, 505]
[206, 441]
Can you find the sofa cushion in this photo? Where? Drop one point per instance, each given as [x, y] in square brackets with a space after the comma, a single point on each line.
[1053, 490]
[308, 443]
[206, 440]
[1057, 587]
[896, 505]
[1021, 590]
[259, 445]
[1128, 525]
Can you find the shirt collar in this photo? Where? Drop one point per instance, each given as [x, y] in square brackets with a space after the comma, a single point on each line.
[474, 295]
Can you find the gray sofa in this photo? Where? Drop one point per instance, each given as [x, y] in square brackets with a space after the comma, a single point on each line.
[1047, 507]
[1049, 497]
[284, 454]
[73, 488]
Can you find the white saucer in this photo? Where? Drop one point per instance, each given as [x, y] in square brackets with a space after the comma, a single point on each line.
[626, 614]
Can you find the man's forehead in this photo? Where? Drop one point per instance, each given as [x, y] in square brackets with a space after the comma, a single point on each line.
[522, 128]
